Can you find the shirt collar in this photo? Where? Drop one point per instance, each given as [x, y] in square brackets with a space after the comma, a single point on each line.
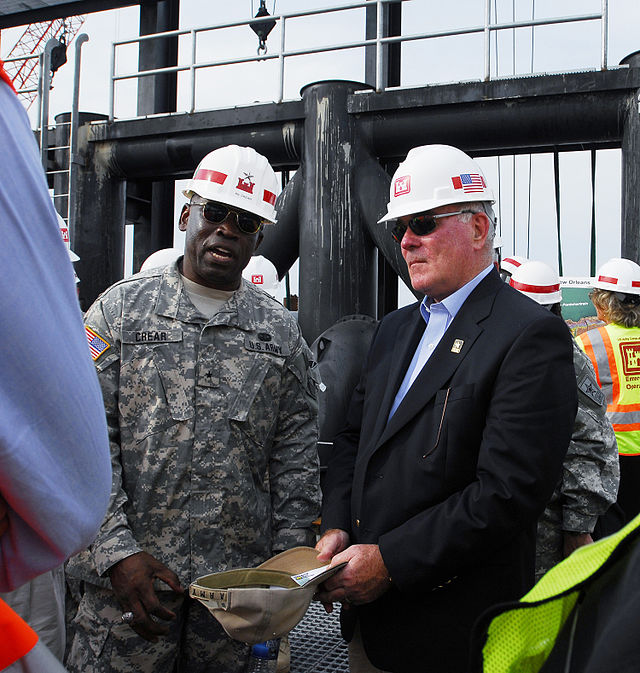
[453, 302]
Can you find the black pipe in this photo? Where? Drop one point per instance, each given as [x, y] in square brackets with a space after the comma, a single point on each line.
[176, 157]
[337, 257]
[282, 241]
[500, 127]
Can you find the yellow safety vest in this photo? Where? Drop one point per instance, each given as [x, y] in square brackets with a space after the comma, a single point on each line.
[519, 637]
[615, 353]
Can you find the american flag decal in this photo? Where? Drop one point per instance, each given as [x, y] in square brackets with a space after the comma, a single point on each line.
[97, 345]
[469, 182]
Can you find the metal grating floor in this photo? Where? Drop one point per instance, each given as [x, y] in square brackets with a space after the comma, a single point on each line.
[316, 643]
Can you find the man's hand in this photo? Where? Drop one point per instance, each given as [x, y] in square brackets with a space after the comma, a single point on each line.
[4, 516]
[132, 582]
[574, 540]
[362, 580]
[331, 543]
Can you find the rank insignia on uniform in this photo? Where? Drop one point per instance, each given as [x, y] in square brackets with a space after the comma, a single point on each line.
[97, 345]
[457, 346]
[591, 389]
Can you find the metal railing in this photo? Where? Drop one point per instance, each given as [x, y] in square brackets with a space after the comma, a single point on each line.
[378, 42]
[62, 200]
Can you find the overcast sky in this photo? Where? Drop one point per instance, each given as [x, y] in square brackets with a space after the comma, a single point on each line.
[527, 197]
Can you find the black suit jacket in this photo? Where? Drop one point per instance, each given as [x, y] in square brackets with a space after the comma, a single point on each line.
[451, 487]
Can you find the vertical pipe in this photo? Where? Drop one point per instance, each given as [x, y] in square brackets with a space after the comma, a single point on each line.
[487, 40]
[630, 238]
[73, 137]
[112, 83]
[592, 244]
[630, 234]
[45, 85]
[379, 63]
[605, 34]
[281, 59]
[192, 71]
[337, 257]
[556, 180]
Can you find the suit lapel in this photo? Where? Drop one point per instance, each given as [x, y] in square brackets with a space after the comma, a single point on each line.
[452, 350]
[406, 339]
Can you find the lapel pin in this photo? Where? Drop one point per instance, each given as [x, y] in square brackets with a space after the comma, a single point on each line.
[457, 346]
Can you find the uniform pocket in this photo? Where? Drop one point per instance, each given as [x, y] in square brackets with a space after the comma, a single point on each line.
[154, 392]
[255, 406]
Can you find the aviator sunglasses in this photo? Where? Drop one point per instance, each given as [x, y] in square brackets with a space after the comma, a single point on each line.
[421, 225]
[215, 213]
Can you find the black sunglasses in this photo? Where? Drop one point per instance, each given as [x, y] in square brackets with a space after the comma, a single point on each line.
[215, 213]
[421, 225]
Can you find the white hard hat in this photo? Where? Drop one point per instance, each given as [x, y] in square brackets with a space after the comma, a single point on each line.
[161, 258]
[538, 281]
[238, 177]
[433, 176]
[261, 272]
[512, 263]
[64, 231]
[618, 275]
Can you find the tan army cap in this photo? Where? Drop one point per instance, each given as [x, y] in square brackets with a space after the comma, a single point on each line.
[257, 604]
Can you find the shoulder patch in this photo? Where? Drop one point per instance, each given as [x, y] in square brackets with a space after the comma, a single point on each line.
[591, 389]
[97, 345]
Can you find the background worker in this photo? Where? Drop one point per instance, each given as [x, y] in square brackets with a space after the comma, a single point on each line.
[55, 474]
[614, 350]
[454, 438]
[590, 475]
[510, 264]
[211, 403]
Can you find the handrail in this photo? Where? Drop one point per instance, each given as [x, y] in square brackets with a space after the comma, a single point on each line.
[378, 42]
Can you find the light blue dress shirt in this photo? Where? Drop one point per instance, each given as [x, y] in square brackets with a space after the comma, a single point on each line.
[438, 316]
[55, 466]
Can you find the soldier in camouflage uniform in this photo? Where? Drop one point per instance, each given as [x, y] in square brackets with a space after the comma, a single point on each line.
[591, 473]
[211, 404]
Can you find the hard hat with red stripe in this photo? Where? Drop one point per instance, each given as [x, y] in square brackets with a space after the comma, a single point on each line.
[618, 275]
[538, 281]
[509, 264]
[238, 177]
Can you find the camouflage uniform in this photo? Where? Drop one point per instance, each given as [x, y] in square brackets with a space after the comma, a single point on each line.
[591, 472]
[213, 429]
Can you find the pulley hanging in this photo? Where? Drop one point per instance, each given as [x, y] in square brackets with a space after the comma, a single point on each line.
[263, 27]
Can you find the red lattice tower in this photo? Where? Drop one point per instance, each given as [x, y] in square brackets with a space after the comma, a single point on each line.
[24, 73]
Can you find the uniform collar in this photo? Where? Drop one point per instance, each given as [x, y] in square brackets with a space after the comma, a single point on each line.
[173, 301]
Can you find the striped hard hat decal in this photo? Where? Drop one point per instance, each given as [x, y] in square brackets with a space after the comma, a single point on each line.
[540, 289]
[210, 176]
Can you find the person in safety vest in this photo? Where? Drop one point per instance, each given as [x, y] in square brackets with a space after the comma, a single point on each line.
[210, 394]
[614, 350]
[55, 474]
[590, 476]
[454, 437]
[581, 617]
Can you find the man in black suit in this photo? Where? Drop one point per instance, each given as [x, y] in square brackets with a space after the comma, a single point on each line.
[454, 439]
